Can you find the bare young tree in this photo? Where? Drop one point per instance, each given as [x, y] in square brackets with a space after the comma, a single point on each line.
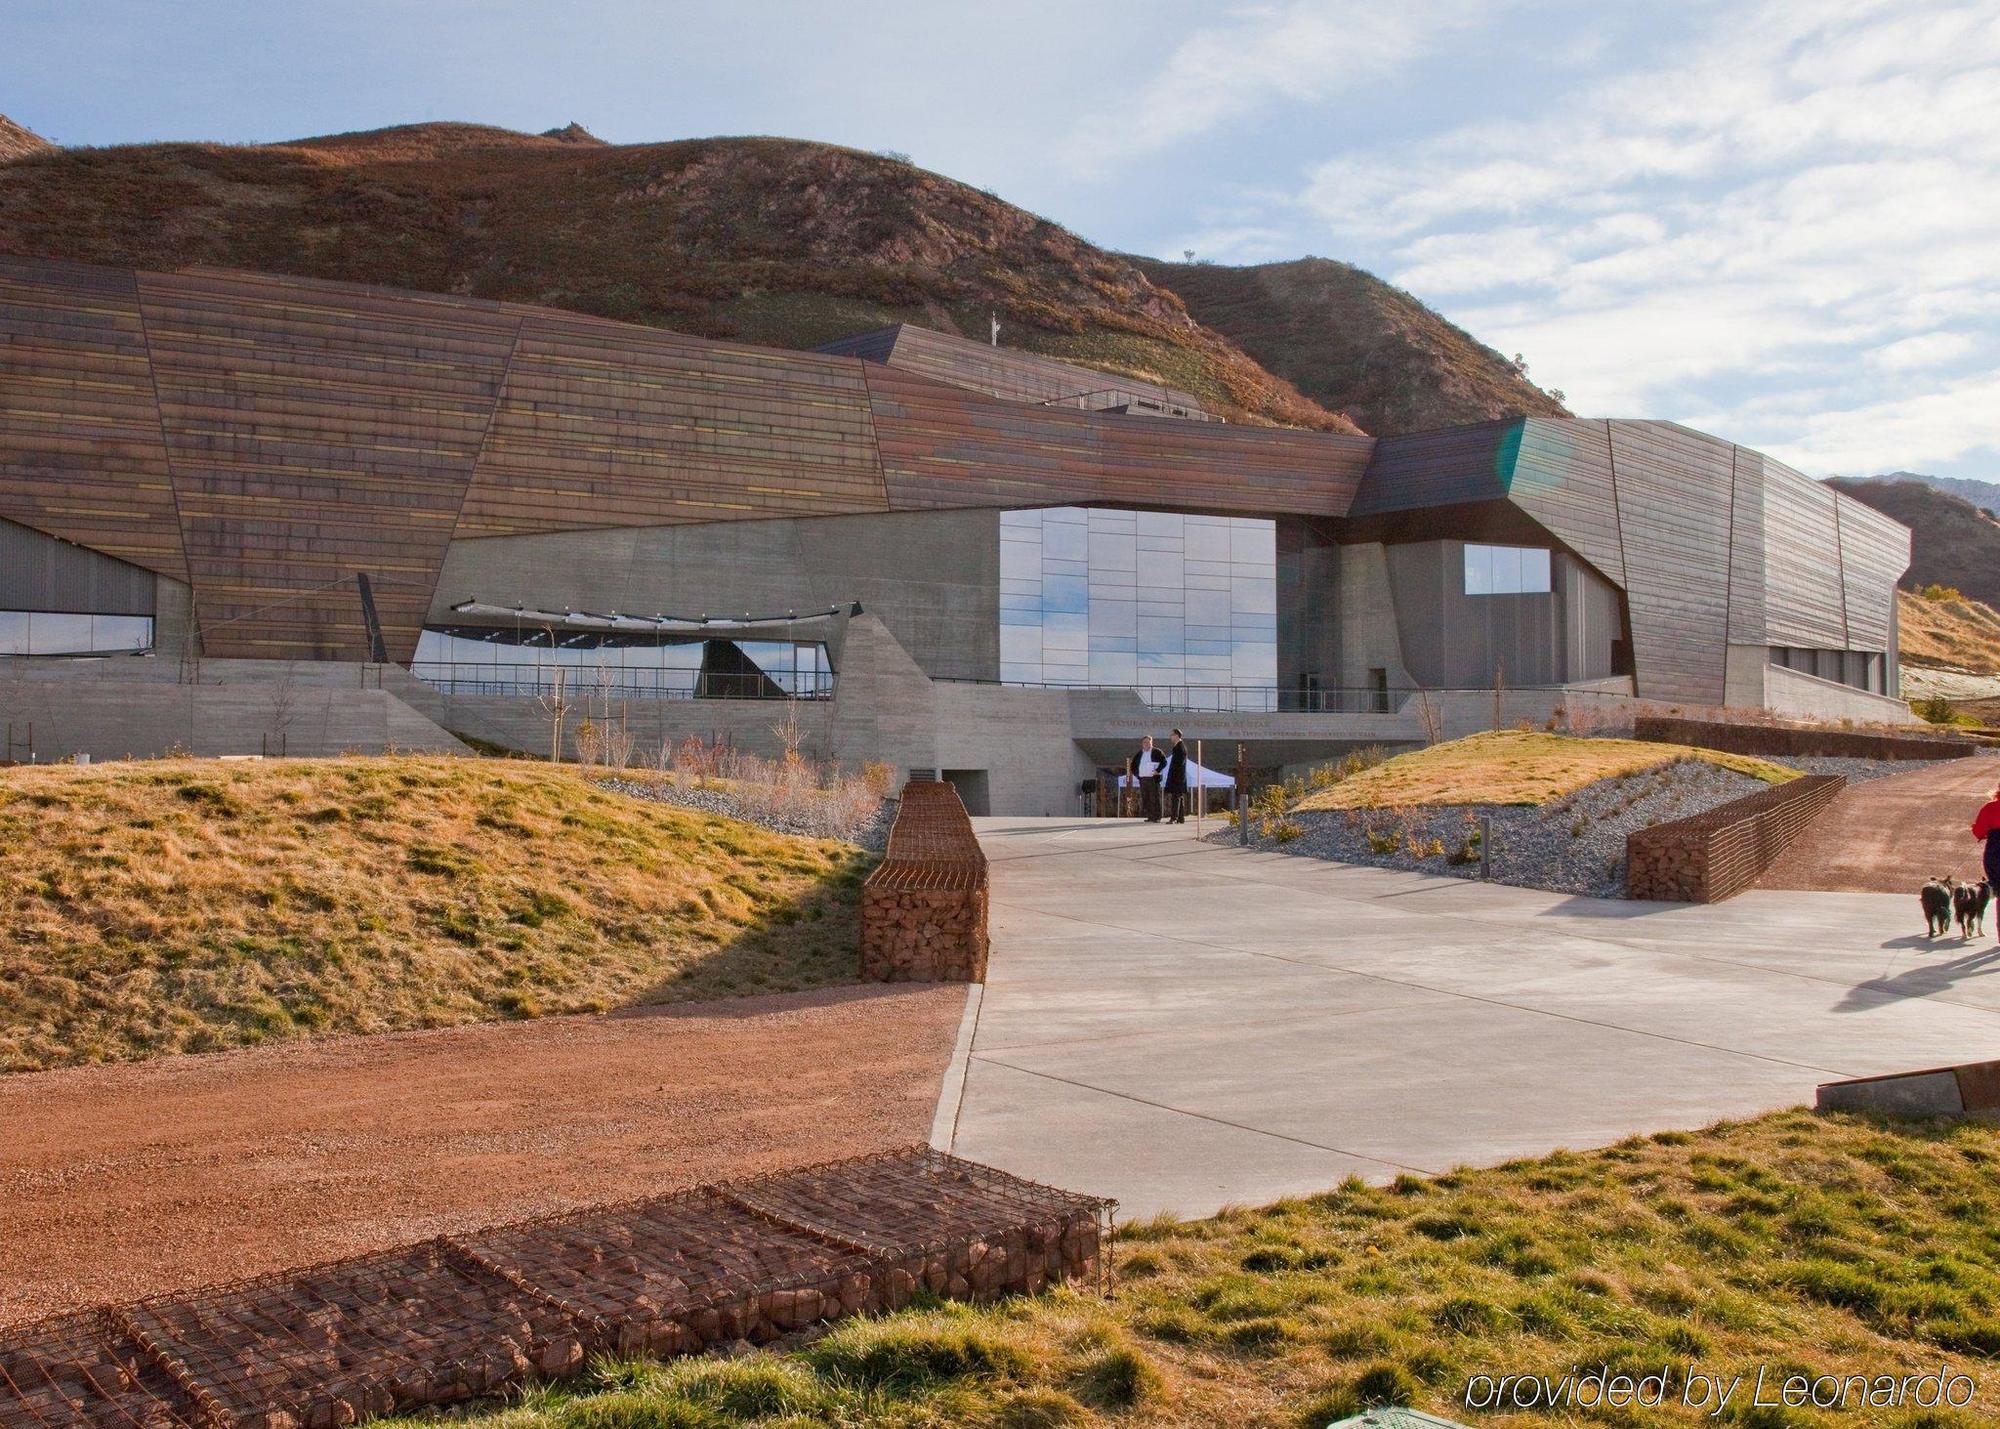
[1429, 715]
[555, 708]
[285, 705]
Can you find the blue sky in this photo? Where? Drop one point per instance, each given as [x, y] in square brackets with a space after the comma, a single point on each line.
[1778, 220]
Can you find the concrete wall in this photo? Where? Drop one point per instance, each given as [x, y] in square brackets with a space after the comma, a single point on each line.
[1451, 640]
[135, 708]
[38, 572]
[1793, 692]
[1370, 639]
[931, 577]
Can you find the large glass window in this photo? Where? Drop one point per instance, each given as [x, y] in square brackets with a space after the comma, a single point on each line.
[1181, 608]
[1506, 570]
[41, 632]
[475, 660]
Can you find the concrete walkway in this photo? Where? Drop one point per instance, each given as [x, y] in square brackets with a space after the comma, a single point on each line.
[1185, 1026]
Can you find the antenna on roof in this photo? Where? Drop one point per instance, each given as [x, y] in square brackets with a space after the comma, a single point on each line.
[994, 320]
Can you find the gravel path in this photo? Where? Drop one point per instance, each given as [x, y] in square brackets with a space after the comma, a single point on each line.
[814, 821]
[1889, 835]
[125, 1181]
[1576, 845]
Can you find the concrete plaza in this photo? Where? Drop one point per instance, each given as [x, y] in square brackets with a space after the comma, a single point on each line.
[1185, 1026]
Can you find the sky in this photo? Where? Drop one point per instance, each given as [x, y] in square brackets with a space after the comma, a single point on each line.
[1776, 220]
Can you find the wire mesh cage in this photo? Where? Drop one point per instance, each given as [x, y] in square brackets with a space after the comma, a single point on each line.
[462, 1317]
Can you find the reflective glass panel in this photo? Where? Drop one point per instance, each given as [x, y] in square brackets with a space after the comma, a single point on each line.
[1506, 570]
[1182, 606]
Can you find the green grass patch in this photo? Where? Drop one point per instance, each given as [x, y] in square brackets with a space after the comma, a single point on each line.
[1823, 1246]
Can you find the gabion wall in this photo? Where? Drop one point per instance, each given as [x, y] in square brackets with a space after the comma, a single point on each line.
[460, 1317]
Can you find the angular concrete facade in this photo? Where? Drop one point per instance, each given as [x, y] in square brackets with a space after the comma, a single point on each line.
[430, 498]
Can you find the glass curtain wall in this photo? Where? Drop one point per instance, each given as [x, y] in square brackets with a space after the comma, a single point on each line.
[1182, 609]
[503, 662]
[42, 632]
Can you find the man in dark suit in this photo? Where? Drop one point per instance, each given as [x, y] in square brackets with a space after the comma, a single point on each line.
[1145, 766]
[1177, 781]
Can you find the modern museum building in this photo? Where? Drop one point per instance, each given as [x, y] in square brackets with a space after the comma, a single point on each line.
[244, 513]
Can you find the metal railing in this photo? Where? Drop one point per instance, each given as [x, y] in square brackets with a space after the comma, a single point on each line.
[579, 682]
[1234, 699]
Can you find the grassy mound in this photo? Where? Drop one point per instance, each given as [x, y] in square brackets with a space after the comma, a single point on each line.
[1516, 767]
[1809, 1245]
[184, 906]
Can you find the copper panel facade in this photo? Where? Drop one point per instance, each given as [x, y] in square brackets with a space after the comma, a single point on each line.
[945, 447]
[81, 452]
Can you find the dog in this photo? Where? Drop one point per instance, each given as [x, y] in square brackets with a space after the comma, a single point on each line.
[1968, 901]
[1939, 900]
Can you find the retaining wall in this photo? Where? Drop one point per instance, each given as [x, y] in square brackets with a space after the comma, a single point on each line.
[923, 909]
[462, 1317]
[1971, 1089]
[1709, 857]
[1735, 738]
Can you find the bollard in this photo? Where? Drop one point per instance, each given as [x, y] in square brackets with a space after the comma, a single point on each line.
[1485, 848]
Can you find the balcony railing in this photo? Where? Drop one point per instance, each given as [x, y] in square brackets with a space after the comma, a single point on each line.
[580, 682]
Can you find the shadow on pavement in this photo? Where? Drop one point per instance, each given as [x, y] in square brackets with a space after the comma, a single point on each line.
[1921, 981]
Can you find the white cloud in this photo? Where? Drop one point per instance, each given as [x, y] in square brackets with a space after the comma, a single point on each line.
[1804, 196]
[1931, 349]
[1918, 433]
[1300, 50]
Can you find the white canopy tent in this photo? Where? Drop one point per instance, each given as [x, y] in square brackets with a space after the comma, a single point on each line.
[1198, 777]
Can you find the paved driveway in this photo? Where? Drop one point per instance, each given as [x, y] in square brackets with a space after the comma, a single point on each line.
[1185, 1026]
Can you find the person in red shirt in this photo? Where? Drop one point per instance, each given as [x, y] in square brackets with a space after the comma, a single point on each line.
[1986, 827]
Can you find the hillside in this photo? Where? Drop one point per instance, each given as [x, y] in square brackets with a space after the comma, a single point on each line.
[1955, 632]
[1952, 542]
[1355, 344]
[771, 240]
[18, 143]
[182, 906]
[1983, 494]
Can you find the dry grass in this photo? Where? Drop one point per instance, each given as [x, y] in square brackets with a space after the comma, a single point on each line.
[184, 906]
[1355, 344]
[1806, 1244]
[1958, 633]
[1516, 767]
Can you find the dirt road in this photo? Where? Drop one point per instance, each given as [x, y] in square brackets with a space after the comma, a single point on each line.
[1888, 835]
[123, 1181]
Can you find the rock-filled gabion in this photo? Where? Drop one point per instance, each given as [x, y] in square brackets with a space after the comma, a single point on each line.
[1742, 737]
[923, 909]
[461, 1317]
[1718, 854]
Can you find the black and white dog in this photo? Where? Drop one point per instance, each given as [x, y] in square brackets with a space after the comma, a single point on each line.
[1940, 899]
[1968, 901]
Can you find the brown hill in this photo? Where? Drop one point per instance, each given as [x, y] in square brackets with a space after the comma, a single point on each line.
[1938, 627]
[18, 143]
[772, 240]
[1952, 542]
[1353, 343]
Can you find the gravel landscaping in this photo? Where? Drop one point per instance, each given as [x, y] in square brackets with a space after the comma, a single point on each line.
[1573, 845]
[817, 819]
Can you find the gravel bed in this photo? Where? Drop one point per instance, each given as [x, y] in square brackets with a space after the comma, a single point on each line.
[1855, 771]
[1575, 845]
[813, 823]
